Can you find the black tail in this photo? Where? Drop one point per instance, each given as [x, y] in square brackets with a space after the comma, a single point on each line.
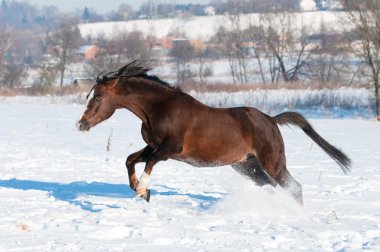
[293, 118]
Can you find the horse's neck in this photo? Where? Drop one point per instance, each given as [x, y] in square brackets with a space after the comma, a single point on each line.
[141, 100]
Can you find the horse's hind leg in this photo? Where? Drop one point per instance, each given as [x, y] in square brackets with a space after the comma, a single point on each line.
[252, 168]
[286, 181]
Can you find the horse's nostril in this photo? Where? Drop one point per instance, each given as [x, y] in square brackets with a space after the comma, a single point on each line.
[82, 125]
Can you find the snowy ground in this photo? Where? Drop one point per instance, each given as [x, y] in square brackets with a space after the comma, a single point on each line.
[61, 190]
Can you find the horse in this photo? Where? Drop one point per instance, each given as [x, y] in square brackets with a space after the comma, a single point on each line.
[177, 126]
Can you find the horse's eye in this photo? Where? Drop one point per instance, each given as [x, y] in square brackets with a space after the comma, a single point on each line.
[98, 99]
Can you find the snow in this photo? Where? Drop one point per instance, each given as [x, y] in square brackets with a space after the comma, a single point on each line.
[190, 27]
[340, 103]
[61, 190]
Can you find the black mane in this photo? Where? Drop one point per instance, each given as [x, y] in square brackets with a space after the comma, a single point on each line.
[136, 68]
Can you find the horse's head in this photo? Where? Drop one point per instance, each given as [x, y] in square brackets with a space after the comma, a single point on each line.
[102, 99]
[101, 104]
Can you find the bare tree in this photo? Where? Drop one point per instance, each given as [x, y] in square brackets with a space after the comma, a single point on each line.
[117, 51]
[258, 50]
[12, 68]
[6, 41]
[111, 55]
[286, 43]
[365, 15]
[182, 52]
[328, 62]
[204, 69]
[125, 12]
[232, 36]
[47, 73]
[136, 45]
[12, 74]
[65, 39]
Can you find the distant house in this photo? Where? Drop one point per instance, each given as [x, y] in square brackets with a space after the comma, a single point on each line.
[160, 47]
[308, 5]
[180, 43]
[324, 42]
[168, 42]
[209, 11]
[88, 52]
[197, 44]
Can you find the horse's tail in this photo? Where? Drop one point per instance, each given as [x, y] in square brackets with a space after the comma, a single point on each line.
[293, 118]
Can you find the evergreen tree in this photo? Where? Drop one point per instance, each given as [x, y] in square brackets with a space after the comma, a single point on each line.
[86, 14]
[4, 6]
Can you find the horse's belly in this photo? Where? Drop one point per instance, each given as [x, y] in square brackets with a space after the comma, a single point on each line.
[198, 162]
[220, 139]
[199, 156]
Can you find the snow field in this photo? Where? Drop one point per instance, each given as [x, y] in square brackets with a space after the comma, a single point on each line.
[61, 190]
[161, 28]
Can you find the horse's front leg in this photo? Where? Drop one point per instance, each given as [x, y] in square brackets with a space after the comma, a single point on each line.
[166, 150]
[132, 160]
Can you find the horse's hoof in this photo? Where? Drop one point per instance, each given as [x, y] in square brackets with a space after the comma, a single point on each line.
[146, 196]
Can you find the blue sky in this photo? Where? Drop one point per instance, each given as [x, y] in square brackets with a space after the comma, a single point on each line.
[101, 6]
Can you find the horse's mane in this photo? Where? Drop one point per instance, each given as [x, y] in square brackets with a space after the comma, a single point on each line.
[136, 68]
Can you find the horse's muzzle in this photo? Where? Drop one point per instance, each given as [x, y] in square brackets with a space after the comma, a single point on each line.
[83, 125]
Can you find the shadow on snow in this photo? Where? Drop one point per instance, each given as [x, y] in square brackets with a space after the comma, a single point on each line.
[70, 192]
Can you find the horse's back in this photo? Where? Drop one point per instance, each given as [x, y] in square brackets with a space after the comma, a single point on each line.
[225, 135]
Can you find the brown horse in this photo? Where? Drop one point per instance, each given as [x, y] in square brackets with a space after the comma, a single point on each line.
[177, 126]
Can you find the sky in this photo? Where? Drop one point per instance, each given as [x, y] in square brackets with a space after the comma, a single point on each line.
[101, 6]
